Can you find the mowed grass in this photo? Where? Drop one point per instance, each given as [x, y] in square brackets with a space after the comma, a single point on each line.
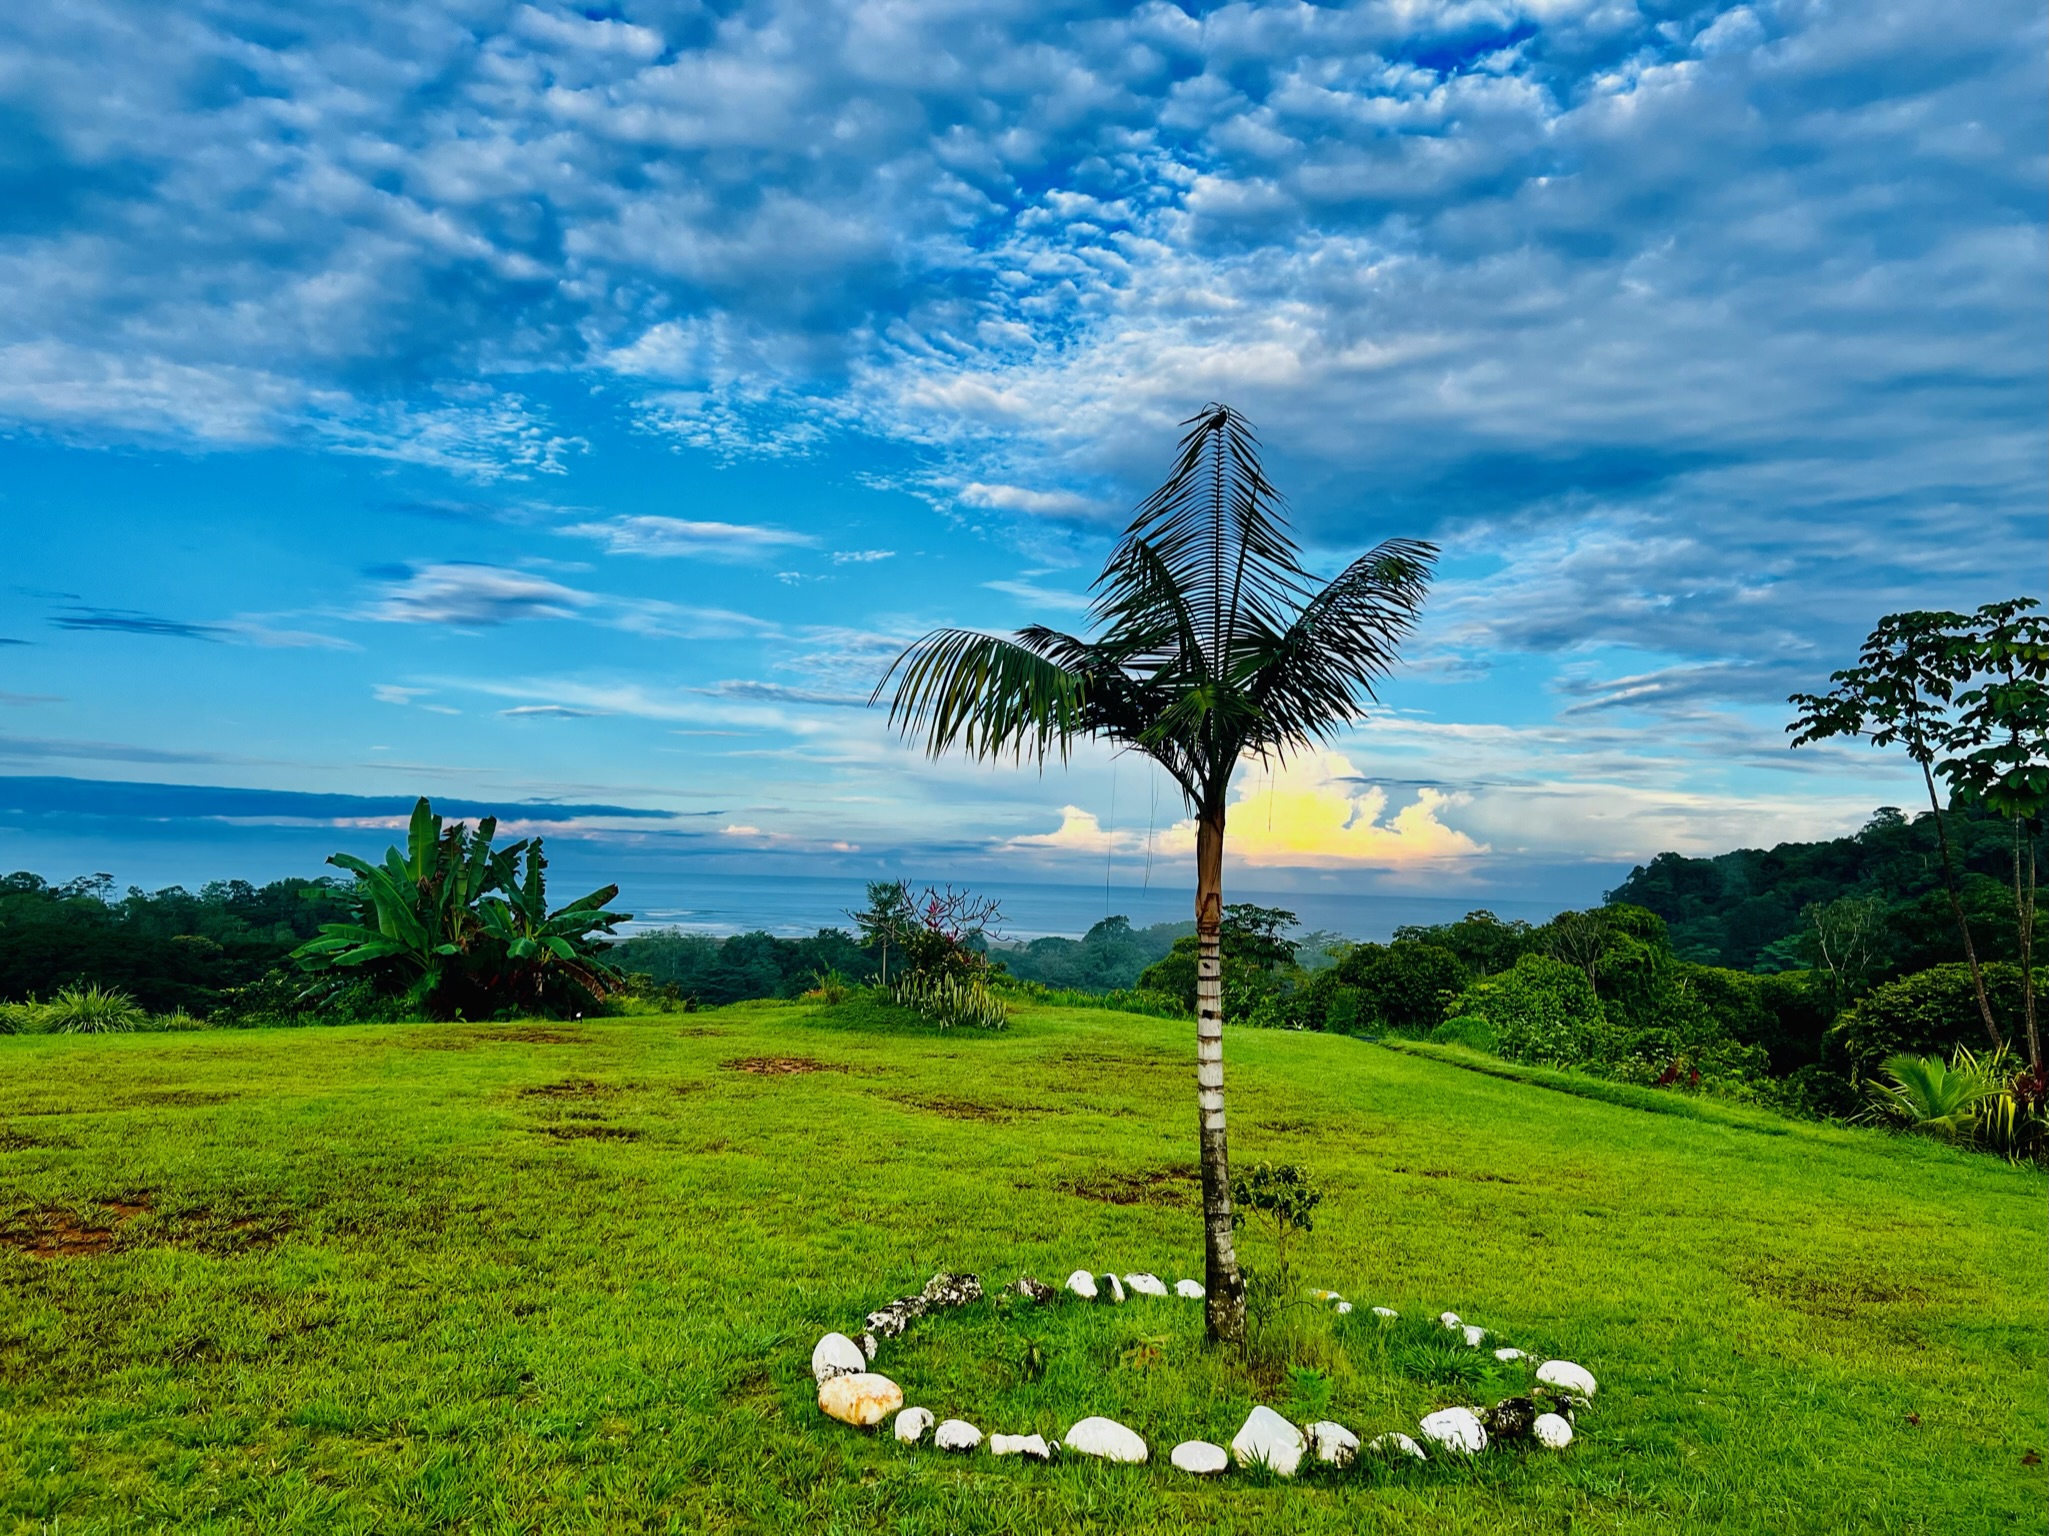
[567, 1278]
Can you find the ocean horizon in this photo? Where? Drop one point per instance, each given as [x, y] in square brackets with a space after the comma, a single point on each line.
[793, 906]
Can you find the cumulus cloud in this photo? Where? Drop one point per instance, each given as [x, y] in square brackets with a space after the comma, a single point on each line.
[1316, 812]
[1697, 337]
[474, 596]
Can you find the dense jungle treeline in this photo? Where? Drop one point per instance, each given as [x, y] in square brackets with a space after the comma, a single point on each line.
[1787, 973]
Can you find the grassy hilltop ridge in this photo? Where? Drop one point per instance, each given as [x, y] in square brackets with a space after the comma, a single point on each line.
[566, 1277]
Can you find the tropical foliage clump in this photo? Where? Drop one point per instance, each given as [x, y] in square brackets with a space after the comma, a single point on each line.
[462, 930]
[1970, 1100]
[947, 999]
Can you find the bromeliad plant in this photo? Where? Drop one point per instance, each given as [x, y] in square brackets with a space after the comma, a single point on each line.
[461, 931]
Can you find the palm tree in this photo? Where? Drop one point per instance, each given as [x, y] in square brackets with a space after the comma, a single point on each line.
[1212, 644]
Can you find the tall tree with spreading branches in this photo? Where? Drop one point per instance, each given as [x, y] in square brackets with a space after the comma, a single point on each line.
[1211, 644]
[1899, 695]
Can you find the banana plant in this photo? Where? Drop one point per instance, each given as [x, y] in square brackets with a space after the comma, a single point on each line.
[542, 947]
[420, 909]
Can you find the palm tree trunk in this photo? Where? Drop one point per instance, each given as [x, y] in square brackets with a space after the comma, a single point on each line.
[1956, 905]
[2024, 921]
[1224, 1286]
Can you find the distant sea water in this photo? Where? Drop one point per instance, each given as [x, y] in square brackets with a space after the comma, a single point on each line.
[793, 906]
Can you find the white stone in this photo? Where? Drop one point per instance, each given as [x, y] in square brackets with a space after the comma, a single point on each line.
[1456, 1429]
[1269, 1440]
[1083, 1284]
[1105, 1438]
[1033, 1446]
[1192, 1289]
[1342, 1307]
[912, 1423]
[956, 1435]
[1567, 1377]
[1145, 1285]
[1200, 1458]
[860, 1398]
[1510, 1354]
[1385, 1312]
[1552, 1431]
[1475, 1337]
[1451, 1320]
[836, 1355]
[1115, 1287]
[1332, 1442]
[1396, 1444]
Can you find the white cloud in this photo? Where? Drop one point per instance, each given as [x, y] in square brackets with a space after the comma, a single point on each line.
[675, 537]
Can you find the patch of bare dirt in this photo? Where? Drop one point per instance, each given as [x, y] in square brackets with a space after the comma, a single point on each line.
[176, 1098]
[1470, 1175]
[56, 1232]
[579, 1130]
[700, 1032]
[569, 1088]
[1173, 1185]
[455, 1037]
[1841, 1294]
[954, 1108]
[778, 1066]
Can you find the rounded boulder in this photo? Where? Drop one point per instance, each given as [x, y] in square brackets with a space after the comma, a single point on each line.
[860, 1398]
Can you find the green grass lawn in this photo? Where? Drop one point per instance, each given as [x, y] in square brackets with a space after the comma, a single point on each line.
[568, 1277]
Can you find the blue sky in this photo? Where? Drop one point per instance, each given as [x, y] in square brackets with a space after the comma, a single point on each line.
[552, 406]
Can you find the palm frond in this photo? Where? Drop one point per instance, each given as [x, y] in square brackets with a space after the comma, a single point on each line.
[1319, 674]
[991, 696]
[1212, 534]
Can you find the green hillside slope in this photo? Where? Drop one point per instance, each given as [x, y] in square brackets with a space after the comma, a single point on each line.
[567, 1278]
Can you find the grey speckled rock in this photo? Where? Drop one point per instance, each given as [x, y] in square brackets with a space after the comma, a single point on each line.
[1035, 1290]
[1510, 1419]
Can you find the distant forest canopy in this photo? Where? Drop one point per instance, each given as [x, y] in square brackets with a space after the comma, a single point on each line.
[1756, 909]
[1751, 910]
